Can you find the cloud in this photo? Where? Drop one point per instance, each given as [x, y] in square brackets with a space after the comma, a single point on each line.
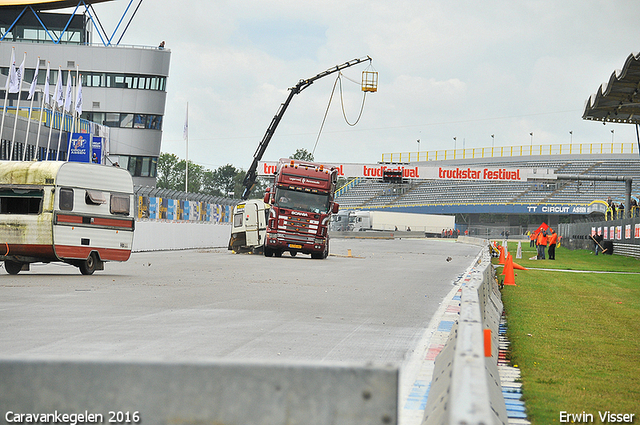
[462, 69]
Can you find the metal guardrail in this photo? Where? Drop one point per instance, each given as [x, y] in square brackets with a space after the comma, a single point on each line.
[466, 387]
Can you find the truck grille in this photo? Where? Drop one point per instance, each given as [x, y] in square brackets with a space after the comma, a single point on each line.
[296, 224]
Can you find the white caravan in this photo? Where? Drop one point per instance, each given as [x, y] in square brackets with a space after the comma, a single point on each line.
[77, 213]
[249, 225]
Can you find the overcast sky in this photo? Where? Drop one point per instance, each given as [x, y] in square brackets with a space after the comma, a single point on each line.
[447, 68]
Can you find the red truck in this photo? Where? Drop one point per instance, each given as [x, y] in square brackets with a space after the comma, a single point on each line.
[302, 202]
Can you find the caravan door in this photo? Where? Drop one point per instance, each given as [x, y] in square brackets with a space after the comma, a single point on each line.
[251, 221]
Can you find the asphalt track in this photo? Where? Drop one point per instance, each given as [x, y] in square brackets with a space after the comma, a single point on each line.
[372, 307]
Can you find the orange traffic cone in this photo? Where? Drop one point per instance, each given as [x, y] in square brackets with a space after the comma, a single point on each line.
[502, 259]
[518, 266]
[509, 278]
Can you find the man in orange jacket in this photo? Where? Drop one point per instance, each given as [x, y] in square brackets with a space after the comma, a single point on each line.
[542, 243]
[553, 240]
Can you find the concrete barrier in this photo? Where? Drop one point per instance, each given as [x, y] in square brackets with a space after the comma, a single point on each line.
[197, 393]
[166, 235]
[466, 387]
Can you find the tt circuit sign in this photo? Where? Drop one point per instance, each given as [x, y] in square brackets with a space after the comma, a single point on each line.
[266, 168]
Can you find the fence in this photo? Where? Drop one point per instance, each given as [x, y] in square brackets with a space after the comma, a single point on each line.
[511, 151]
[173, 205]
[624, 235]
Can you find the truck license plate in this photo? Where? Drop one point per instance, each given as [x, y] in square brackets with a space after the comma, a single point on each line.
[291, 245]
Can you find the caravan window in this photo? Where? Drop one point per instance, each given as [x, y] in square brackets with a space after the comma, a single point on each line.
[20, 201]
[66, 199]
[119, 204]
[94, 197]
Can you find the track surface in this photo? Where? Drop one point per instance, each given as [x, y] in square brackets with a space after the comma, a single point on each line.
[212, 304]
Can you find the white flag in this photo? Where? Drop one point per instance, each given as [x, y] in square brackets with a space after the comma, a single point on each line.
[12, 71]
[16, 78]
[79, 96]
[185, 130]
[32, 89]
[68, 94]
[57, 94]
[47, 96]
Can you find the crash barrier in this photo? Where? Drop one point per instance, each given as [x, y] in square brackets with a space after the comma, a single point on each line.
[189, 393]
[466, 388]
[165, 235]
[623, 234]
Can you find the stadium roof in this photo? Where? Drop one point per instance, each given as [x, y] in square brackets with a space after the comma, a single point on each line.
[44, 4]
[619, 99]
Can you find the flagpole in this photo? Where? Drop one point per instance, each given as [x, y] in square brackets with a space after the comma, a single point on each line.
[35, 146]
[64, 109]
[53, 117]
[26, 138]
[45, 97]
[60, 132]
[6, 92]
[55, 101]
[15, 122]
[73, 116]
[186, 134]
[32, 91]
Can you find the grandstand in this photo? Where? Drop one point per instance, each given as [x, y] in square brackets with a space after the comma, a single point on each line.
[517, 203]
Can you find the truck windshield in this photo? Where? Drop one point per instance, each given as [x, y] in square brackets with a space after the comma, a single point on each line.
[302, 201]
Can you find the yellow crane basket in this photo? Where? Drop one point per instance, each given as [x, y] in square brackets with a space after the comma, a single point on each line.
[369, 81]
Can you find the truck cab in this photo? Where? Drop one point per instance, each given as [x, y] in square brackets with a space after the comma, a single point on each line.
[302, 202]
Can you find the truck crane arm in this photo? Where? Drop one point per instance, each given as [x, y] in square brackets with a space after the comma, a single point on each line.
[250, 178]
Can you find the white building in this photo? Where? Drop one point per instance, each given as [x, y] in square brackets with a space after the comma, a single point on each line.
[123, 87]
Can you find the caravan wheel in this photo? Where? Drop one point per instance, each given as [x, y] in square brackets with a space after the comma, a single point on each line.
[88, 266]
[12, 267]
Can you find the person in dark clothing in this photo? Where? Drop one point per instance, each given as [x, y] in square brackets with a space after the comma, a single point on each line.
[597, 242]
[553, 240]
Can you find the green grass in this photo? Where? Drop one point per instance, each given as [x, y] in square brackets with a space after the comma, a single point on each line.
[575, 336]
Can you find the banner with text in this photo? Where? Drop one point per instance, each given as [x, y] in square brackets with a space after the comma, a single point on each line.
[80, 148]
[266, 168]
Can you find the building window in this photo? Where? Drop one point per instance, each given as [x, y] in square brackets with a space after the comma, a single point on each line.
[126, 120]
[140, 166]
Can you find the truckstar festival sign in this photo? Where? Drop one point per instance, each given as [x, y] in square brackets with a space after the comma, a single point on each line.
[267, 168]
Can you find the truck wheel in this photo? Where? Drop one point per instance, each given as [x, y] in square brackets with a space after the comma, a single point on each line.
[88, 266]
[12, 267]
[267, 251]
[317, 255]
[278, 253]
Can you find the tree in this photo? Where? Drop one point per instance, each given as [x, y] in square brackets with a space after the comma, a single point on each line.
[171, 173]
[224, 179]
[302, 155]
[168, 172]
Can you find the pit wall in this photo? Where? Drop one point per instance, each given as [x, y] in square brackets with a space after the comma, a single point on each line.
[166, 235]
[466, 387]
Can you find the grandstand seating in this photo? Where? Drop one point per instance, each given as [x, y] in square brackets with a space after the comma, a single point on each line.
[372, 193]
